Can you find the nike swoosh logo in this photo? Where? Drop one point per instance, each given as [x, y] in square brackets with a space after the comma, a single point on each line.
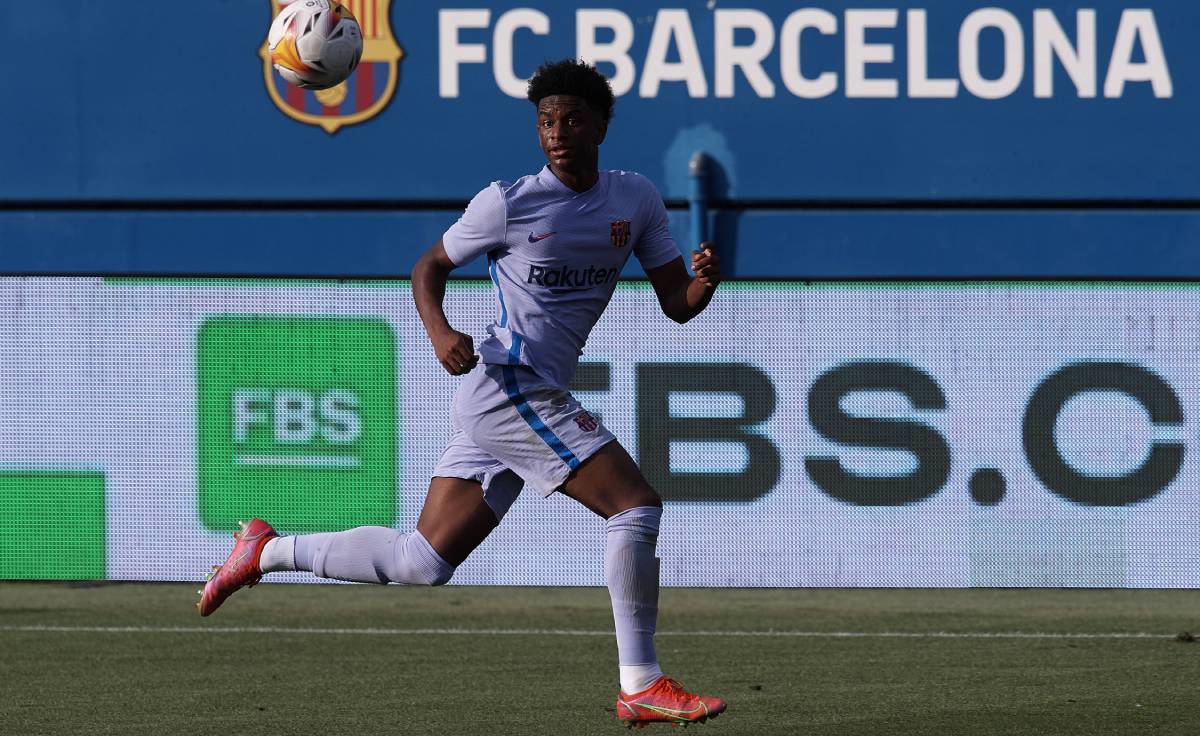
[237, 560]
[669, 712]
[248, 544]
[535, 238]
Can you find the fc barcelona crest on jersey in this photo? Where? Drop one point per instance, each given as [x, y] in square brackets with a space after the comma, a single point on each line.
[587, 422]
[361, 97]
[620, 233]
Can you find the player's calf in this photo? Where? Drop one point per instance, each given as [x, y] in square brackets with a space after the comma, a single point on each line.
[372, 554]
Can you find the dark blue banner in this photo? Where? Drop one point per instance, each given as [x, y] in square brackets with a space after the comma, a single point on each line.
[948, 101]
[890, 244]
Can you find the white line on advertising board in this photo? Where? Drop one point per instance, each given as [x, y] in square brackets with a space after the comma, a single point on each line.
[308, 461]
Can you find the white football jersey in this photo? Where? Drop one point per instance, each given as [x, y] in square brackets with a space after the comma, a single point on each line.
[554, 256]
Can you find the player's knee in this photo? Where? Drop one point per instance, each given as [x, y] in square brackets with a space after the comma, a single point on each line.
[410, 576]
[637, 496]
[441, 576]
[639, 524]
[418, 563]
[650, 497]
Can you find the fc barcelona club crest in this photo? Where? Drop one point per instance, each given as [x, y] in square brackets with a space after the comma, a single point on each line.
[361, 97]
[587, 422]
[620, 233]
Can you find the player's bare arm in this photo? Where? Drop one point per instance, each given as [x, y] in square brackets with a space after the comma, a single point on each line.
[454, 350]
[681, 296]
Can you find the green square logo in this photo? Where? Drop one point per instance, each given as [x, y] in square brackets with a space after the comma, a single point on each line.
[52, 525]
[297, 422]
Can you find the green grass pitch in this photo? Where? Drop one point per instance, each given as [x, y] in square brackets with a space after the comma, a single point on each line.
[135, 659]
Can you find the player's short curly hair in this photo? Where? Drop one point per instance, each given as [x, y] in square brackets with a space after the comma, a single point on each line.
[576, 78]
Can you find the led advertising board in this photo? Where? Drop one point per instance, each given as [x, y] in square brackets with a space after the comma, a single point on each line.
[830, 434]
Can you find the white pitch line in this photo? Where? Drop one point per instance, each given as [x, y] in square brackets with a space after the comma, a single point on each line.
[577, 632]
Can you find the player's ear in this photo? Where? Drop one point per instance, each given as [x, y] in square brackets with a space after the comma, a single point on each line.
[602, 131]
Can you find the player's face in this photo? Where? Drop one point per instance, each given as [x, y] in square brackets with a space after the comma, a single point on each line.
[570, 132]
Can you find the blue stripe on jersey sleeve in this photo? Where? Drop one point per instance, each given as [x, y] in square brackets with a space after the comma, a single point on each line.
[533, 420]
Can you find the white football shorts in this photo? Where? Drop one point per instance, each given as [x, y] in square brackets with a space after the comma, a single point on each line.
[511, 426]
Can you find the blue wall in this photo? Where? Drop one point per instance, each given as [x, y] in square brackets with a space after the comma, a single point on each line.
[169, 108]
[774, 244]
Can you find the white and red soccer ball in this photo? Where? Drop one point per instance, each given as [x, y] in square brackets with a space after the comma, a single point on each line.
[315, 44]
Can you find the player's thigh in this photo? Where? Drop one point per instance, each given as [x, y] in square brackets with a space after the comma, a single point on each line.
[610, 482]
[455, 518]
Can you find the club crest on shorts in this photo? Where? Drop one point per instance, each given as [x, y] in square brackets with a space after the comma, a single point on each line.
[620, 233]
[587, 422]
[361, 97]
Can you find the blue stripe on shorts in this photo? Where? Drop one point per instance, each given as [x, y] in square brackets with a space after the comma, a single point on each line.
[533, 420]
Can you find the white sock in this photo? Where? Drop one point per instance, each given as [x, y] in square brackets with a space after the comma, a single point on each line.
[631, 571]
[637, 677]
[278, 555]
[372, 554]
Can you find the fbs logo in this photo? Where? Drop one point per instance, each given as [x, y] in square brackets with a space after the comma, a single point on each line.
[361, 97]
[296, 422]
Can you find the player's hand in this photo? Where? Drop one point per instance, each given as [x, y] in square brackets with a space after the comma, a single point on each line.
[706, 265]
[455, 351]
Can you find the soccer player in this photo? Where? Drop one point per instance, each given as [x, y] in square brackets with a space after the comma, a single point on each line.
[555, 243]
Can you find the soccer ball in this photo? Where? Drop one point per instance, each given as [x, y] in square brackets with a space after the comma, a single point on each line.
[315, 44]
